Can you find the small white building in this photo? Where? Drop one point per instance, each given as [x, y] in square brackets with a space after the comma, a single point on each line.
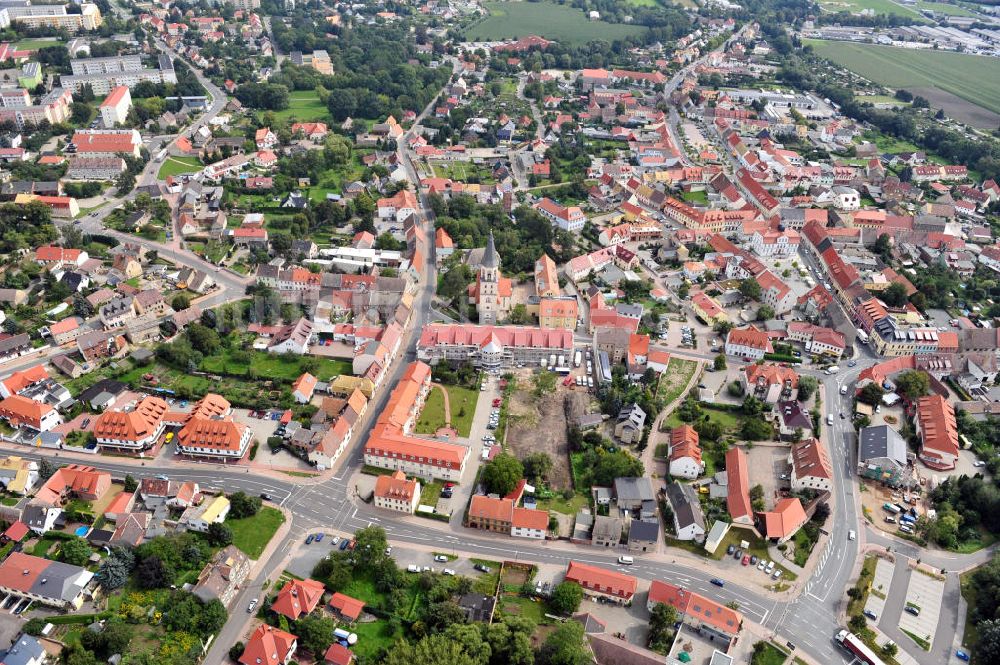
[115, 107]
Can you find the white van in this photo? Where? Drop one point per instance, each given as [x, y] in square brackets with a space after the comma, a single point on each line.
[626, 560]
[832, 370]
[843, 390]
[829, 419]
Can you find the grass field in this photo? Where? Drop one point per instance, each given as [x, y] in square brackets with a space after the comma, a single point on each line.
[970, 77]
[769, 654]
[509, 20]
[275, 366]
[462, 171]
[944, 8]
[252, 534]
[879, 6]
[177, 166]
[304, 106]
[35, 44]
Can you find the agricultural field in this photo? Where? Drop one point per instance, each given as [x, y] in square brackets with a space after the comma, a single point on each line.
[304, 106]
[878, 6]
[511, 20]
[177, 166]
[965, 86]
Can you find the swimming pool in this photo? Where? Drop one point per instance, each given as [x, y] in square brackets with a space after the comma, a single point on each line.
[81, 531]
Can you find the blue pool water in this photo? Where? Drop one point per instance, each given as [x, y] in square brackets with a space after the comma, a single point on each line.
[82, 531]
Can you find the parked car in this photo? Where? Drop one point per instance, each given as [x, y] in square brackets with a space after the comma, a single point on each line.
[730, 550]
[319, 537]
[738, 554]
[912, 609]
[252, 605]
[448, 571]
[310, 538]
[753, 560]
[961, 654]
[344, 544]
[482, 567]
[440, 558]
[871, 615]
[746, 560]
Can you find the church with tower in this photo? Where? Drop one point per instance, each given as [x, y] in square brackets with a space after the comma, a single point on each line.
[491, 294]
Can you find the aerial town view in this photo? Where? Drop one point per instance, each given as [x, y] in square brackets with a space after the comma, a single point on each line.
[499, 332]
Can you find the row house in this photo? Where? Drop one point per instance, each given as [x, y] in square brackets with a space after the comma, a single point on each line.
[502, 515]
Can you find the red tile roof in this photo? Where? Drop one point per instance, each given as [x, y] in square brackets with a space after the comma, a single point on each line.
[695, 605]
[786, 518]
[738, 497]
[601, 580]
[938, 427]
[347, 606]
[298, 598]
[268, 646]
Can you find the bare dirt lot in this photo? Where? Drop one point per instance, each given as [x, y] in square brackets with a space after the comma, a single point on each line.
[540, 426]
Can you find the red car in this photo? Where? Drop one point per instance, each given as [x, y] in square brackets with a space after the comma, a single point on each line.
[449, 486]
[496, 403]
[746, 560]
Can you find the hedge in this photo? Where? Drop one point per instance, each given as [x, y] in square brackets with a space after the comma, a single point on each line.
[66, 619]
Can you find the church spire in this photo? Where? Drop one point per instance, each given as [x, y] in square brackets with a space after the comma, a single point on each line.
[490, 257]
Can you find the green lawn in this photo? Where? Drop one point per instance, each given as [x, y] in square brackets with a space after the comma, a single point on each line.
[970, 77]
[42, 547]
[462, 171]
[879, 6]
[729, 420]
[944, 8]
[304, 106]
[373, 638]
[177, 166]
[430, 493]
[532, 608]
[35, 44]
[463, 408]
[252, 534]
[546, 19]
[275, 366]
[769, 654]
[572, 506]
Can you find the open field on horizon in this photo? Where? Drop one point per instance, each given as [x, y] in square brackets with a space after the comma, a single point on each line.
[970, 77]
[878, 6]
[511, 20]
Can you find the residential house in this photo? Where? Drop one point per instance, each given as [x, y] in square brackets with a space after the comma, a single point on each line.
[223, 575]
[345, 607]
[769, 382]
[602, 582]
[298, 598]
[811, 466]
[395, 492]
[46, 582]
[211, 511]
[738, 487]
[701, 613]
[607, 531]
[938, 431]
[781, 523]
[689, 522]
[269, 646]
[630, 424]
[749, 343]
[685, 453]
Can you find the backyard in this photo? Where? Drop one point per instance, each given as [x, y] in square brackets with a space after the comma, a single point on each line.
[462, 171]
[510, 20]
[462, 402]
[675, 379]
[233, 361]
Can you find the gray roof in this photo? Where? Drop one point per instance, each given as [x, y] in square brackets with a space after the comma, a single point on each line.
[881, 441]
[646, 532]
[687, 509]
[633, 489]
[607, 528]
[25, 650]
[61, 580]
[490, 257]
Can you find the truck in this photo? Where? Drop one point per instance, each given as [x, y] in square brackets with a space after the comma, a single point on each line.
[576, 358]
[160, 155]
[853, 644]
[862, 335]
[892, 508]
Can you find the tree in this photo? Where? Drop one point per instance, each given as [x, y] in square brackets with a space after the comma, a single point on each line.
[883, 246]
[518, 314]
[502, 474]
[75, 552]
[241, 505]
[871, 394]
[113, 639]
[719, 363]
[857, 623]
[564, 646]
[890, 649]
[116, 569]
[180, 301]
[750, 289]
[203, 339]
[807, 387]
[34, 626]
[315, 633]
[131, 484]
[369, 547]
[913, 384]
[440, 615]
[765, 313]
[566, 597]
[437, 649]
[661, 627]
[219, 535]
[619, 464]
[45, 468]
[895, 295]
[988, 646]
[757, 497]
[722, 328]
[152, 573]
[537, 465]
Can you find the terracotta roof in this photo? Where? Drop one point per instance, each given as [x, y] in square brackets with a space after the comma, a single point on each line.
[135, 425]
[684, 442]
[347, 606]
[75, 479]
[211, 433]
[695, 605]
[785, 519]
[938, 427]
[18, 381]
[305, 384]
[750, 337]
[338, 654]
[115, 97]
[738, 496]
[298, 597]
[771, 374]
[395, 486]
[809, 458]
[601, 579]
[24, 410]
[267, 646]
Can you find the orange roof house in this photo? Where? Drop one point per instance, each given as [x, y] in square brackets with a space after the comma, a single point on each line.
[395, 492]
[76, 481]
[298, 598]
[601, 580]
[137, 429]
[18, 381]
[347, 607]
[938, 431]
[303, 388]
[738, 493]
[787, 517]
[694, 609]
[685, 453]
[18, 410]
[268, 646]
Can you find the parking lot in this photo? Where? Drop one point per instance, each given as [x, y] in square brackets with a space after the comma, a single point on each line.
[924, 593]
[875, 605]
